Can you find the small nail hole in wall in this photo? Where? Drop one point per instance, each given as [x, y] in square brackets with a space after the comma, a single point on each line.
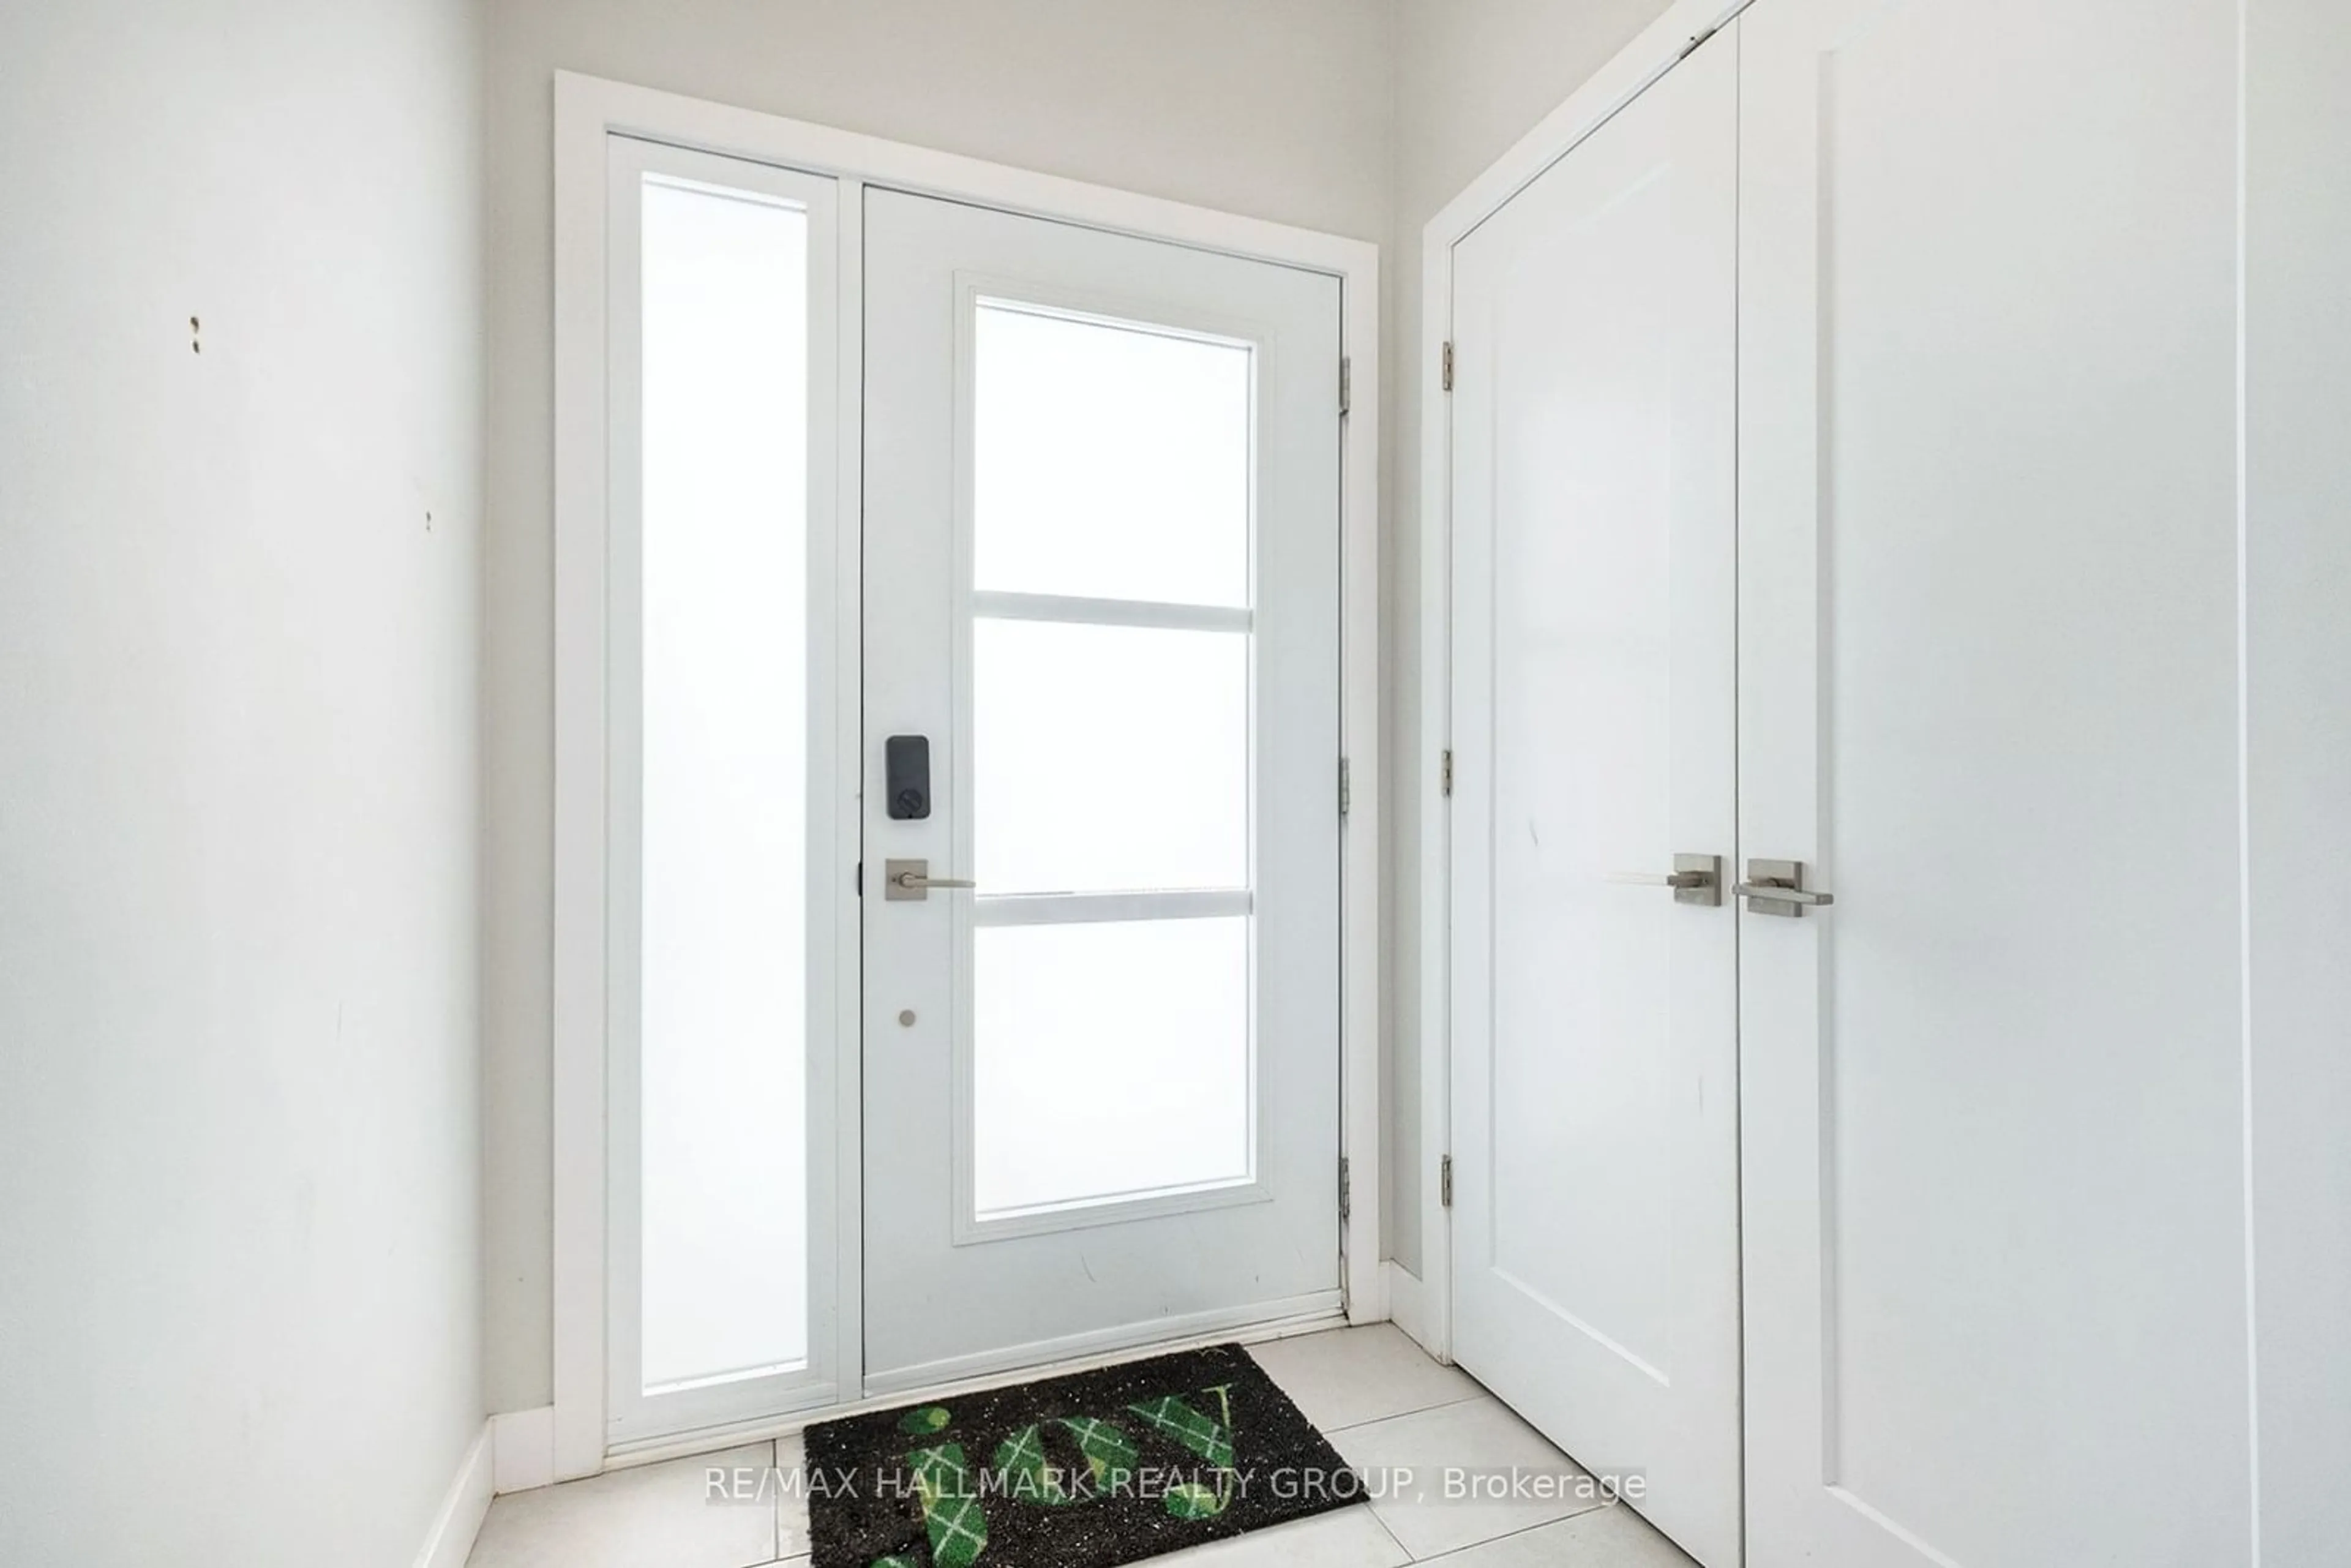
[195, 336]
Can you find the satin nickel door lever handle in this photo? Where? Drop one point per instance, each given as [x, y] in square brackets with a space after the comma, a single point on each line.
[1777, 887]
[913, 880]
[1694, 879]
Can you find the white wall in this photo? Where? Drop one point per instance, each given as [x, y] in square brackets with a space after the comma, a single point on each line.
[1473, 77]
[1278, 108]
[2298, 679]
[239, 1212]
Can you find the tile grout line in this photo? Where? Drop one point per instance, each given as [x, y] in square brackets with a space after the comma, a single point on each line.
[1405, 1415]
[1509, 1534]
[1391, 1534]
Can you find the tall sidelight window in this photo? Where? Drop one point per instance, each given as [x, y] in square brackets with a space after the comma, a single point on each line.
[722, 793]
[1110, 564]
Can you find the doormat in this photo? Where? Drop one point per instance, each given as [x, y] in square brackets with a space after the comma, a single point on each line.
[1083, 1471]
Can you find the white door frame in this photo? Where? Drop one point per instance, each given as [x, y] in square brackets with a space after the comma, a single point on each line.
[1424, 1305]
[588, 112]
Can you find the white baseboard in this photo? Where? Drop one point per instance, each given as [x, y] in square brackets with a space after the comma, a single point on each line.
[1408, 1305]
[451, 1541]
[1368, 1302]
[522, 1445]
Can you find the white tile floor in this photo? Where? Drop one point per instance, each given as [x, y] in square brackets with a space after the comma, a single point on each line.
[1380, 1401]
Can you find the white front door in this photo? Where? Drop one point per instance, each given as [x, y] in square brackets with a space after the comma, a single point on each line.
[1594, 1109]
[1995, 1254]
[1101, 605]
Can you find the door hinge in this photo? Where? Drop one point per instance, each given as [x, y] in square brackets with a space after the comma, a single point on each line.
[1445, 772]
[1448, 371]
[1346, 1196]
[1346, 385]
[1444, 1182]
[1346, 793]
[860, 879]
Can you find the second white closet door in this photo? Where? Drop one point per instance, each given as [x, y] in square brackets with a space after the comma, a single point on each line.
[1595, 1133]
[1988, 693]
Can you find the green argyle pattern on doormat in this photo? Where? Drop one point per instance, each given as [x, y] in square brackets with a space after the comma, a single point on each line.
[1024, 1473]
[1174, 1419]
[952, 1517]
[1109, 1453]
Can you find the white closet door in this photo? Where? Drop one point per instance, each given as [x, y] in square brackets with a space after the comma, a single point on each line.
[1595, 1136]
[1994, 1197]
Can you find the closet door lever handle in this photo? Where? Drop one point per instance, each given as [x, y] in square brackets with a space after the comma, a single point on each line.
[1777, 887]
[1694, 879]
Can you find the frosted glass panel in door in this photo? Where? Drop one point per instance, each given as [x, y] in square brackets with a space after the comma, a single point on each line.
[1109, 1059]
[1109, 745]
[1109, 757]
[1111, 459]
[723, 987]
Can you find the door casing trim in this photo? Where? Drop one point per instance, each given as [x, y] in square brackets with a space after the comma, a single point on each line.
[589, 110]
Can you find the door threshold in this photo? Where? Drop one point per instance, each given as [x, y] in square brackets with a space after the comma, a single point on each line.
[1051, 1358]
